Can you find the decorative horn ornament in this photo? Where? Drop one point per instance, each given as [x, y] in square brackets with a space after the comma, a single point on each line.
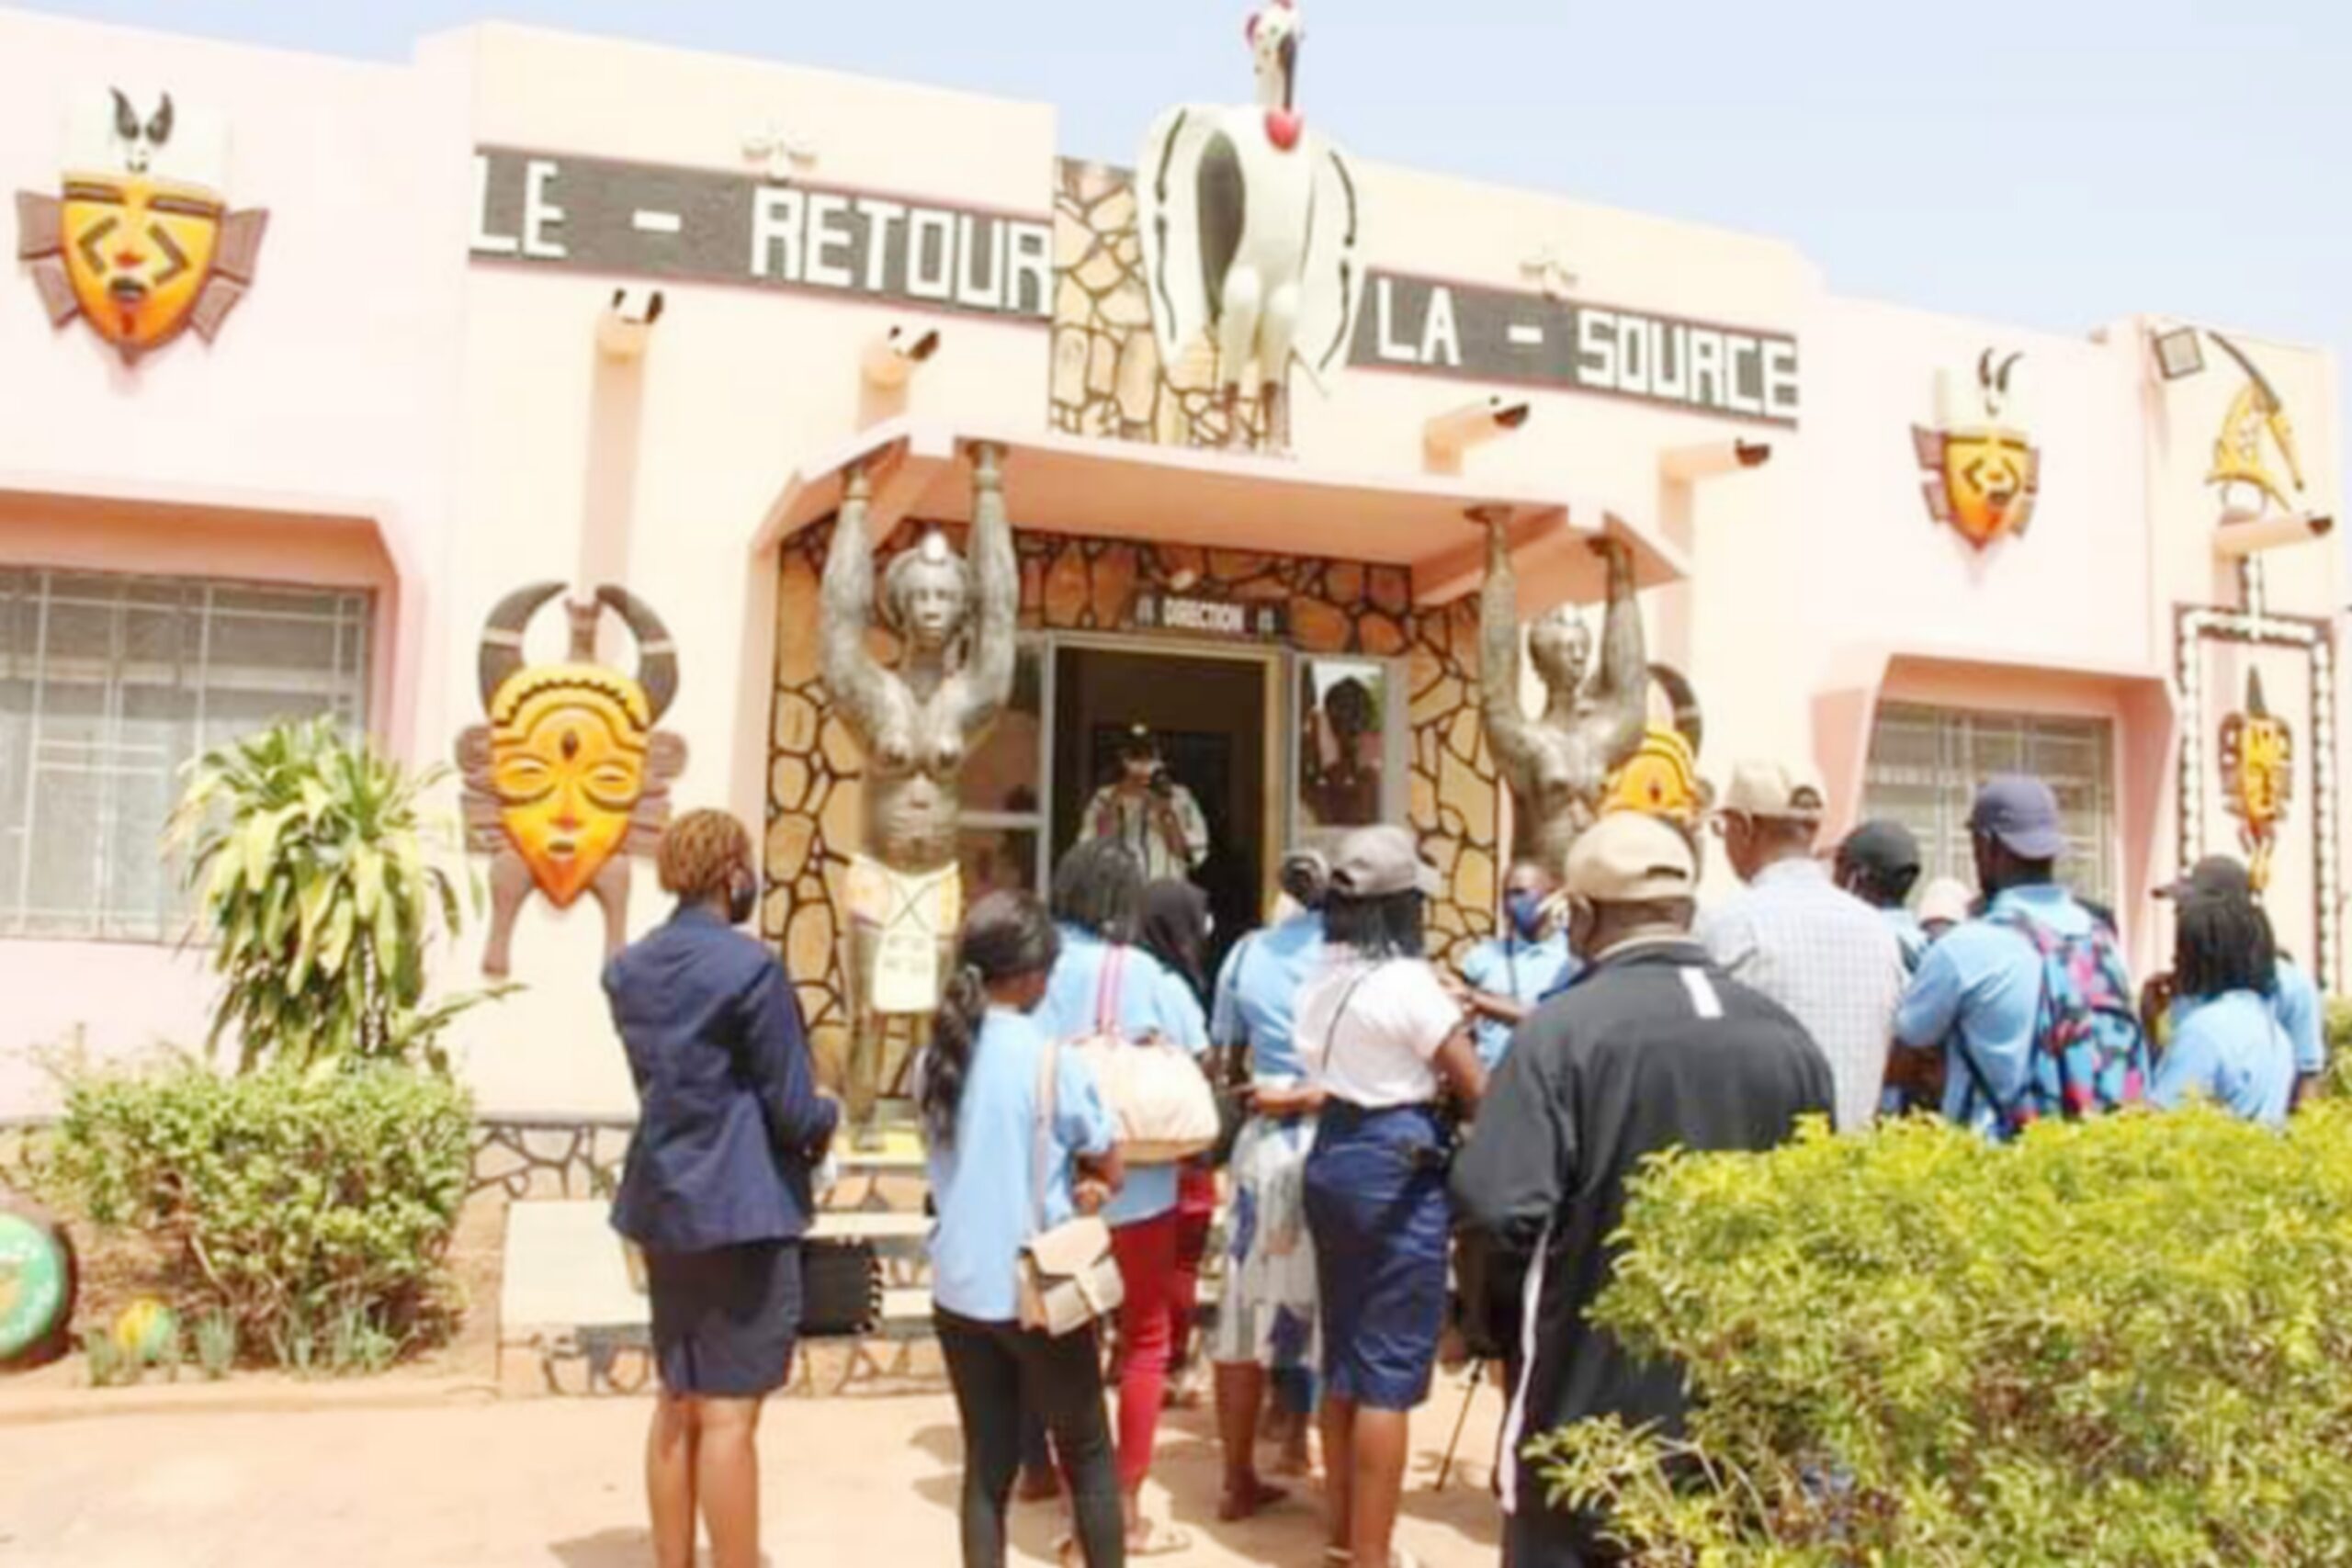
[502, 635]
[657, 662]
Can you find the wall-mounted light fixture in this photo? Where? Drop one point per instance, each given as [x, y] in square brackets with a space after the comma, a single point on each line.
[628, 321]
[891, 359]
[1447, 435]
[2179, 352]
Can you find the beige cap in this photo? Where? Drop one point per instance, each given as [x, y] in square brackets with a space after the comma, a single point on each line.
[1379, 863]
[1769, 789]
[1944, 899]
[1630, 857]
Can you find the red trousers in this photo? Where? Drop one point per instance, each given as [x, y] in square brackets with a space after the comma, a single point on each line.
[1147, 1257]
[1195, 1212]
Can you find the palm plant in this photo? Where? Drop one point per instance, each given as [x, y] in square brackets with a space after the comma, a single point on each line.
[310, 854]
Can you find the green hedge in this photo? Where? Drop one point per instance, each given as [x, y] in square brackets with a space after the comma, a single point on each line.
[311, 1211]
[2127, 1342]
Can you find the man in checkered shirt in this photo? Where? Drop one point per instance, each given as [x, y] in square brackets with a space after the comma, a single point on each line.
[1794, 935]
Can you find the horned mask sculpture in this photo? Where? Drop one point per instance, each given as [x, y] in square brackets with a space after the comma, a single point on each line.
[569, 777]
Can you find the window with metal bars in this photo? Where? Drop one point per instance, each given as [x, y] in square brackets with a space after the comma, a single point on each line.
[109, 685]
[1926, 764]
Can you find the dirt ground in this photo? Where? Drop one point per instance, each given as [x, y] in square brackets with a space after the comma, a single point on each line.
[858, 1479]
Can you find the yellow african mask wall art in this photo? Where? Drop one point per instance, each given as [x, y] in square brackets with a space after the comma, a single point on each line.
[569, 777]
[1983, 474]
[2257, 776]
[140, 242]
[1661, 779]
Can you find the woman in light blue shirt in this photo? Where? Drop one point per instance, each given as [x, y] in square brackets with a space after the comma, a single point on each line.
[977, 1089]
[1098, 902]
[2227, 1045]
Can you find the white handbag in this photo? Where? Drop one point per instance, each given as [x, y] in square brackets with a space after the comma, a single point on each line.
[1165, 1108]
[1068, 1276]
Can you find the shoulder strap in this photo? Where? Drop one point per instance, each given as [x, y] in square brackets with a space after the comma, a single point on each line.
[1106, 990]
[1339, 1013]
[1040, 1162]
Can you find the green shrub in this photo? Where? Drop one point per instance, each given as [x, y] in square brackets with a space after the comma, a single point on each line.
[2337, 1078]
[2126, 1342]
[311, 854]
[299, 1210]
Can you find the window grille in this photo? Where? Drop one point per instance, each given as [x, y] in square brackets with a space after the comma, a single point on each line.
[109, 685]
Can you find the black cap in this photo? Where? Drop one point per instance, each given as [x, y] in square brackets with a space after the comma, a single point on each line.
[1883, 848]
[2019, 811]
[2215, 877]
[1137, 743]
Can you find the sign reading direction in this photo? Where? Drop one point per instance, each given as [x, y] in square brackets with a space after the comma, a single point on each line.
[1260, 620]
[701, 225]
[1497, 334]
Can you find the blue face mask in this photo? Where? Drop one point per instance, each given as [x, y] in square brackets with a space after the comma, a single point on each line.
[1527, 915]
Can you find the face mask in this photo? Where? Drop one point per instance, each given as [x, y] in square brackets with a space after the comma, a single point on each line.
[1527, 917]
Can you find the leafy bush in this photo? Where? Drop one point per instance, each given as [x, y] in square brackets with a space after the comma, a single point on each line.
[311, 851]
[302, 1210]
[2337, 1078]
[2128, 1341]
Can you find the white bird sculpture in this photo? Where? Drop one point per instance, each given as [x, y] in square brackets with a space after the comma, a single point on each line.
[1250, 229]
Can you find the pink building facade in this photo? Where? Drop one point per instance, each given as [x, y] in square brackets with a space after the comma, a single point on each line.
[1911, 549]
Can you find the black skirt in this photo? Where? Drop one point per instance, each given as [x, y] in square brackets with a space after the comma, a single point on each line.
[724, 1321]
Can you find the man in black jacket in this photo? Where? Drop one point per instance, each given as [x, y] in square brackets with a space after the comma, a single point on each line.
[1654, 1046]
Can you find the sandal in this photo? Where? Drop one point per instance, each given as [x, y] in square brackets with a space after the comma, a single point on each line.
[1159, 1541]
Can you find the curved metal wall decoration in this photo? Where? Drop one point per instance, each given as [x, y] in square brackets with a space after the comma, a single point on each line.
[569, 776]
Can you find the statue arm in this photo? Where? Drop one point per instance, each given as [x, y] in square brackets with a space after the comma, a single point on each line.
[852, 677]
[996, 594]
[1507, 728]
[1621, 688]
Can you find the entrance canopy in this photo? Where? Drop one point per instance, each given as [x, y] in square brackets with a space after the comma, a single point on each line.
[1231, 500]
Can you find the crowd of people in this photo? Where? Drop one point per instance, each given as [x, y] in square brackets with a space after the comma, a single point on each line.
[1415, 1155]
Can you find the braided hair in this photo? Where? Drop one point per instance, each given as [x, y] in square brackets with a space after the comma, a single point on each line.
[1006, 936]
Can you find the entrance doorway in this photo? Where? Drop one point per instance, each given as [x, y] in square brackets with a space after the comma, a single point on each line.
[1209, 716]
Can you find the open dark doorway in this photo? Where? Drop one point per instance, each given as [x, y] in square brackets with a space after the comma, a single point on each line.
[1210, 717]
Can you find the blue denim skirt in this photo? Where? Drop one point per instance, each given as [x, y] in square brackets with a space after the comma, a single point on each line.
[1376, 1208]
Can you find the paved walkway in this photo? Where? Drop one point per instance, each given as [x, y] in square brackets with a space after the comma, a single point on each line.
[860, 1480]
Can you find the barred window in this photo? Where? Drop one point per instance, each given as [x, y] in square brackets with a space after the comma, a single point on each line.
[109, 685]
[1926, 763]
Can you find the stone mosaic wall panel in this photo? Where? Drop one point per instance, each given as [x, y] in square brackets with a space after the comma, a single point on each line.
[1108, 377]
[1070, 583]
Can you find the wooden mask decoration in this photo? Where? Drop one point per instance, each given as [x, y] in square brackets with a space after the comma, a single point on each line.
[2257, 777]
[1662, 778]
[569, 776]
[1983, 474]
[141, 243]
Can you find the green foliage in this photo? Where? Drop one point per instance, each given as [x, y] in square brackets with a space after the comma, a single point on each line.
[215, 1344]
[312, 855]
[2122, 1342]
[300, 1211]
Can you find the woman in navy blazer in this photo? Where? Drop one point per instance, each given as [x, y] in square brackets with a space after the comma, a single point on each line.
[715, 1190]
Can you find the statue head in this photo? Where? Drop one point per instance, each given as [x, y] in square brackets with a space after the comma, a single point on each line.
[568, 743]
[1560, 647]
[927, 595]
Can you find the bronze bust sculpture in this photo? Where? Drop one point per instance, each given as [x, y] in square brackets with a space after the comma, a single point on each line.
[903, 899]
[1559, 765]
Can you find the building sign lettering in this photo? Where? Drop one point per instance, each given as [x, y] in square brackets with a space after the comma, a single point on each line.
[1263, 620]
[701, 225]
[1498, 335]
